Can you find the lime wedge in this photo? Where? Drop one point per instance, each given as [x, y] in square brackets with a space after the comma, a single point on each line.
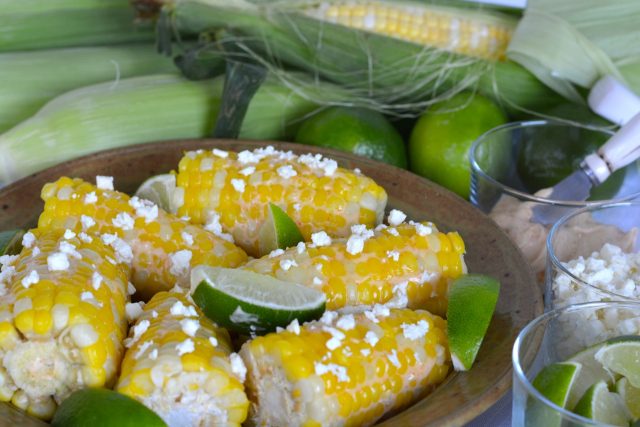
[278, 231]
[248, 302]
[472, 300]
[99, 407]
[630, 395]
[599, 404]
[160, 190]
[554, 382]
[11, 242]
[622, 356]
[591, 373]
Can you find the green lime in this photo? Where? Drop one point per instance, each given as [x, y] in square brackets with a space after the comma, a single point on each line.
[278, 231]
[630, 395]
[100, 407]
[249, 302]
[622, 356]
[355, 130]
[554, 382]
[442, 136]
[591, 372]
[599, 404]
[160, 190]
[472, 300]
[11, 242]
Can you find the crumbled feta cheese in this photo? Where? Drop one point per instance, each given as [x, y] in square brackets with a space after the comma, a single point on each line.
[321, 238]
[69, 249]
[35, 251]
[144, 209]
[28, 239]
[346, 322]
[286, 264]
[90, 198]
[297, 207]
[371, 338]
[213, 341]
[365, 352]
[179, 309]
[241, 316]
[188, 238]
[86, 296]
[394, 255]
[138, 329]
[143, 347]
[393, 231]
[7, 260]
[294, 327]
[30, 279]
[328, 317]
[68, 234]
[415, 331]
[238, 185]
[57, 261]
[213, 225]
[357, 171]
[104, 182]
[276, 252]
[317, 281]
[247, 171]
[220, 153]
[287, 171]
[153, 355]
[355, 244]
[371, 316]
[87, 222]
[396, 217]
[237, 366]
[339, 371]
[186, 346]
[124, 253]
[123, 221]
[393, 358]
[422, 230]
[133, 310]
[189, 326]
[336, 338]
[180, 262]
[380, 310]
[301, 247]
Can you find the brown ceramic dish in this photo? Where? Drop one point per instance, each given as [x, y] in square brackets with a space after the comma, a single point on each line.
[463, 396]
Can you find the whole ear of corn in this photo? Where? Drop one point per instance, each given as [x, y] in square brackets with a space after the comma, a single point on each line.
[30, 79]
[345, 370]
[62, 319]
[37, 24]
[235, 189]
[179, 364]
[161, 248]
[410, 265]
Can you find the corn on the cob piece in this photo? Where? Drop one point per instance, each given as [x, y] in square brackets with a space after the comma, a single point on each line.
[235, 189]
[62, 319]
[409, 265]
[160, 247]
[180, 364]
[345, 370]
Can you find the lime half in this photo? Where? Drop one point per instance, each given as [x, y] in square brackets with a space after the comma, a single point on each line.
[472, 300]
[630, 395]
[249, 302]
[11, 242]
[278, 231]
[160, 190]
[622, 355]
[599, 404]
[554, 382]
[99, 407]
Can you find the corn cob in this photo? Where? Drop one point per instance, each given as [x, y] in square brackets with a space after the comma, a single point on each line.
[160, 247]
[236, 188]
[180, 364]
[410, 265]
[62, 319]
[345, 370]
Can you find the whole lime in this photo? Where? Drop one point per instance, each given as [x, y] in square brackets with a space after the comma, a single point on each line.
[356, 130]
[441, 138]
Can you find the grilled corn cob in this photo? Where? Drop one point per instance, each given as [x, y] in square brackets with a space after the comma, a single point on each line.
[160, 247]
[62, 319]
[344, 370]
[409, 265]
[232, 191]
[180, 364]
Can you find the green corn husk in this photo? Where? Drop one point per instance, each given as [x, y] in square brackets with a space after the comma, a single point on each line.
[32, 78]
[380, 72]
[139, 110]
[44, 24]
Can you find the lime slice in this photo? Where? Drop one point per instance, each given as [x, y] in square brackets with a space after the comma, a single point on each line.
[99, 407]
[622, 355]
[11, 242]
[278, 231]
[249, 302]
[160, 189]
[554, 382]
[630, 395]
[591, 373]
[472, 300]
[599, 404]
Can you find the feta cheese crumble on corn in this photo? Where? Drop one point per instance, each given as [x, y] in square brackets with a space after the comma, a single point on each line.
[60, 334]
[149, 237]
[296, 378]
[180, 365]
[360, 271]
[312, 190]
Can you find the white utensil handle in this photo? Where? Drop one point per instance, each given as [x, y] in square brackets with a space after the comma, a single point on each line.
[614, 101]
[623, 147]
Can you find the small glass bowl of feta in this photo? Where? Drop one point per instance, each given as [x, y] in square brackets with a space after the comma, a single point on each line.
[513, 167]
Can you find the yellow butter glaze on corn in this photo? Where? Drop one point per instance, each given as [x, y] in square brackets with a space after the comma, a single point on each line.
[161, 247]
[345, 370]
[62, 319]
[236, 188]
[179, 364]
[410, 265]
